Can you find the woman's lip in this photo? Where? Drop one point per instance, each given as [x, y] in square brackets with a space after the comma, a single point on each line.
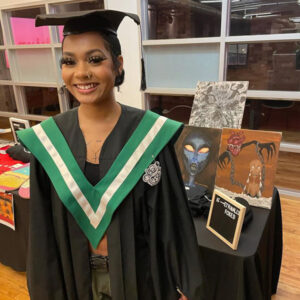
[85, 91]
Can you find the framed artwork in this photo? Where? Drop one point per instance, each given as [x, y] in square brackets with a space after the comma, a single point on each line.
[197, 151]
[7, 214]
[219, 104]
[18, 124]
[247, 165]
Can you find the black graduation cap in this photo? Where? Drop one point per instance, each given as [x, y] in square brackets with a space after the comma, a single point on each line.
[77, 22]
[83, 21]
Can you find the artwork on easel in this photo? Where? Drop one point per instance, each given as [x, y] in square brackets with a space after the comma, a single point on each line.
[197, 154]
[219, 104]
[247, 165]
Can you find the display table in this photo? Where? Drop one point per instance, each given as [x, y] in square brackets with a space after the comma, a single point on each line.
[13, 247]
[252, 271]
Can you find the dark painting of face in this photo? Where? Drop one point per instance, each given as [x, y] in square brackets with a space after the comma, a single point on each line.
[197, 152]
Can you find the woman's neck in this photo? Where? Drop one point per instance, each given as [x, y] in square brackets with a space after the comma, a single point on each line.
[103, 112]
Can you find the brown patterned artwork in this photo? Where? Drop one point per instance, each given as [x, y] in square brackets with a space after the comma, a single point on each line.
[247, 165]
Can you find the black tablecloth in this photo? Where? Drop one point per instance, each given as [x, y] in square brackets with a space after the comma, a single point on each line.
[252, 271]
[13, 244]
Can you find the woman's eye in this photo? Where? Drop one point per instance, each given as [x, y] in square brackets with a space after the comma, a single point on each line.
[96, 59]
[67, 61]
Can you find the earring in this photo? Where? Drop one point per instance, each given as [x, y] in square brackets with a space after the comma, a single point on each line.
[62, 89]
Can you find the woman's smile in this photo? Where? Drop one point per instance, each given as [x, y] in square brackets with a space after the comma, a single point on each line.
[86, 88]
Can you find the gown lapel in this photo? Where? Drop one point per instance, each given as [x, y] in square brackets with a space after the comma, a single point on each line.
[110, 150]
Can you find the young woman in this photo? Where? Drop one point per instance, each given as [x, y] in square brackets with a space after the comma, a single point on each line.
[109, 216]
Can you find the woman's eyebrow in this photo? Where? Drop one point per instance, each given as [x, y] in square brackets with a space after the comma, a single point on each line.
[94, 50]
[68, 53]
[87, 53]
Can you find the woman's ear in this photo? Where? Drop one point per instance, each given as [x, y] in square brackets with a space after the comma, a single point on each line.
[120, 67]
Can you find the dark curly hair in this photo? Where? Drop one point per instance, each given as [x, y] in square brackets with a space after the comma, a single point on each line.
[113, 45]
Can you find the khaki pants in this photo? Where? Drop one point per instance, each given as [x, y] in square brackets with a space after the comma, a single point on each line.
[101, 284]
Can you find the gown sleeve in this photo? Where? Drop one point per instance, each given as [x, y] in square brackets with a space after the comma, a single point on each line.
[174, 252]
[44, 272]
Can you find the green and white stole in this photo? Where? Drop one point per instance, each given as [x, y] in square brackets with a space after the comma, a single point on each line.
[93, 206]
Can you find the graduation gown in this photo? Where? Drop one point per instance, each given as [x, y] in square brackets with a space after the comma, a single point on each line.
[151, 239]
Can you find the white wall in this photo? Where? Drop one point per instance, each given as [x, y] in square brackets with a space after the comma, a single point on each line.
[129, 35]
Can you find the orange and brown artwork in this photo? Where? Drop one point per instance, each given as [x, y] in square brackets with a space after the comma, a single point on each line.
[247, 164]
[7, 210]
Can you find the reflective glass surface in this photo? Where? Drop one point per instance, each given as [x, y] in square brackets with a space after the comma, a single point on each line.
[267, 66]
[23, 29]
[4, 66]
[173, 107]
[4, 137]
[173, 19]
[42, 101]
[1, 35]
[34, 65]
[7, 99]
[181, 66]
[87, 5]
[250, 17]
[274, 115]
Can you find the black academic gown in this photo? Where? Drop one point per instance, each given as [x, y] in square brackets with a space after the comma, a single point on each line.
[151, 240]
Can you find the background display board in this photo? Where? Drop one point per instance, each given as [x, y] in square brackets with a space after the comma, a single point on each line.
[226, 218]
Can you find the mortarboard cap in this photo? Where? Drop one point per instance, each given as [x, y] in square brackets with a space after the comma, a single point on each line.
[102, 20]
[77, 22]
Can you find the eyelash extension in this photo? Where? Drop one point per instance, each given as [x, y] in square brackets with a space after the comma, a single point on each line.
[66, 61]
[96, 59]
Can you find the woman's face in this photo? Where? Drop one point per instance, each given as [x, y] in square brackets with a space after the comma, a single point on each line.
[87, 68]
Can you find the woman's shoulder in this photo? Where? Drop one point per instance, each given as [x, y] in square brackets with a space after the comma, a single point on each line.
[69, 115]
[133, 111]
[67, 121]
[132, 114]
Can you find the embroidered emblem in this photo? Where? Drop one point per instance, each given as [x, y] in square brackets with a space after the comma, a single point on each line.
[152, 174]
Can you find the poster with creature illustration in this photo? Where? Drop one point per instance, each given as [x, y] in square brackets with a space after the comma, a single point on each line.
[7, 215]
[247, 165]
[197, 153]
[219, 104]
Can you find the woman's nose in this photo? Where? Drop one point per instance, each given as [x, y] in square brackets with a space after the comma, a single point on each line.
[82, 70]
